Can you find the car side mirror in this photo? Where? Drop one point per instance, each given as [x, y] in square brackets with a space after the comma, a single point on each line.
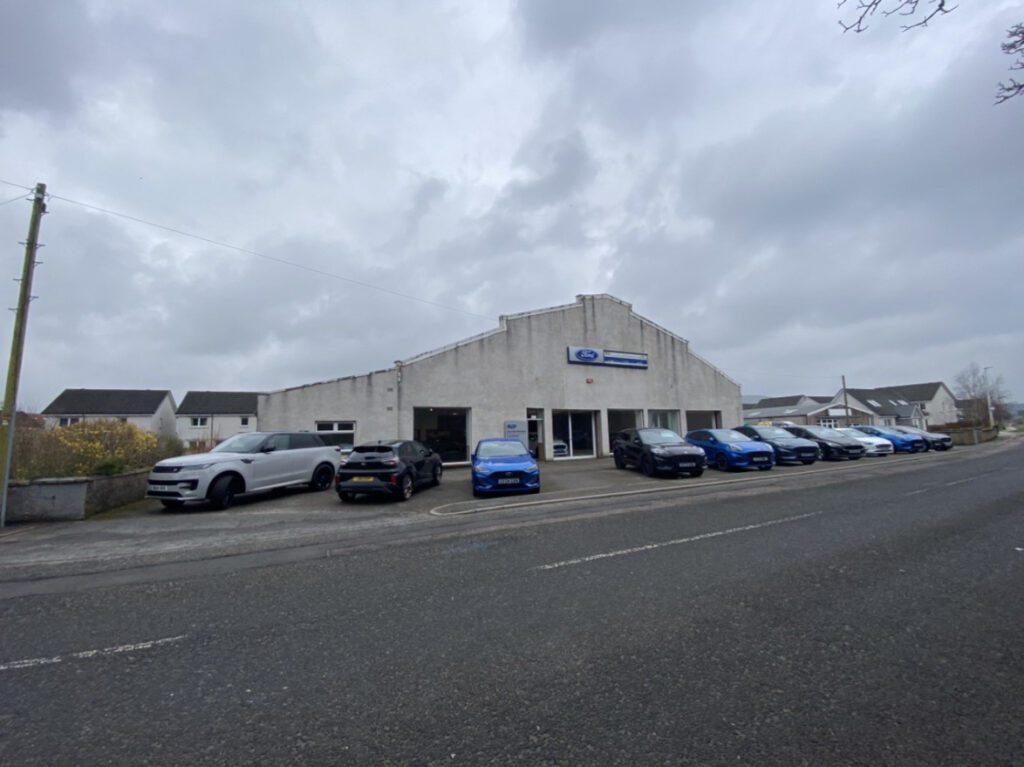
[268, 449]
[533, 453]
[472, 457]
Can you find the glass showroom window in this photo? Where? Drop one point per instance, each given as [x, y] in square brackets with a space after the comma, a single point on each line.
[340, 433]
[664, 419]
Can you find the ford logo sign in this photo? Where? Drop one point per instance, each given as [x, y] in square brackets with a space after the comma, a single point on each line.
[587, 355]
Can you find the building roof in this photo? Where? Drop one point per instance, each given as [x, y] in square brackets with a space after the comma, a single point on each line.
[922, 392]
[110, 402]
[219, 403]
[789, 401]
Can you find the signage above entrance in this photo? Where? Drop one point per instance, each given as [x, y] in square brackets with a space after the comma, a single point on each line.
[585, 355]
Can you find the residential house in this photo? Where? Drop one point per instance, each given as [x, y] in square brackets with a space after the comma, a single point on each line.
[152, 410]
[937, 403]
[213, 416]
[890, 406]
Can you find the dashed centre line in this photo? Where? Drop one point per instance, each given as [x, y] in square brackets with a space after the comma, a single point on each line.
[675, 542]
[116, 650]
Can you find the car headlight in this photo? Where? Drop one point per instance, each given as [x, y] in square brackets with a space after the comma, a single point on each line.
[481, 470]
[198, 466]
[658, 450]
[532, 467]
[735, 448]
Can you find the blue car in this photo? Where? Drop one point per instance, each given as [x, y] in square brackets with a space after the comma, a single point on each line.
[901, 443]
[730, 449]
[503, 466]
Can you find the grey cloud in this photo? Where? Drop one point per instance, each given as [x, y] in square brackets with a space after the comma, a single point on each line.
[43, 47]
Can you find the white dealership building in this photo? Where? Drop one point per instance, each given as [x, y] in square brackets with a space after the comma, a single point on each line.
[563, 379]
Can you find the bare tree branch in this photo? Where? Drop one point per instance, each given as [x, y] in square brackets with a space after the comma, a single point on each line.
[1013, 47]
[867, 8]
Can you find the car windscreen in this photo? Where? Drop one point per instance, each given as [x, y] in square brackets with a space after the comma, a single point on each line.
[500, 449]
[241, 443]
[374, 449]
[660, 437]
[823, 432]
[728, 435]
[773, 432]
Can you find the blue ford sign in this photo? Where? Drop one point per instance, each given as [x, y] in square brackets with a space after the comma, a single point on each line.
[585, 355]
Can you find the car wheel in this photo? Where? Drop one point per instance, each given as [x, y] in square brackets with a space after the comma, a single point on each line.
[323, 476]
[647, 466]
[169, 503]
[406, 487]
[620, 460]
[722, 462]
[222, 492]
[696, 473]
[435, 477]
[346, 497]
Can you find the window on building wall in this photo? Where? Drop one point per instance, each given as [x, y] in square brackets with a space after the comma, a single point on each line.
[199, 420]
[340, 433]
[664, 419]
[123, 420]
[829, 423]
[245, 420]
[68, 421]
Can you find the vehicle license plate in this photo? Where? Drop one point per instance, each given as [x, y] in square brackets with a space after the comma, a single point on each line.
[512, 481]
[361, 479]
[760, 458]
[685, 463]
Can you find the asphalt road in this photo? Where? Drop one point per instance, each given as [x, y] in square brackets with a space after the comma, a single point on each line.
[871, 617]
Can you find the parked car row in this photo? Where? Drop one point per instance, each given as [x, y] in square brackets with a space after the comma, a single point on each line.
[257, 461]
[663, 451]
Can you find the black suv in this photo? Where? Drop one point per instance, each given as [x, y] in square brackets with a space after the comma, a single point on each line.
[654, 450]
[834, 444]
[788, 447]
[393, 467]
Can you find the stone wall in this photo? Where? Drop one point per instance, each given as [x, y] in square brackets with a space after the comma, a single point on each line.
[72, 498]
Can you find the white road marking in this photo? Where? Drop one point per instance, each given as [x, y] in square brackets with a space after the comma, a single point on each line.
[945, 484]
[676, 542]
[116, 650]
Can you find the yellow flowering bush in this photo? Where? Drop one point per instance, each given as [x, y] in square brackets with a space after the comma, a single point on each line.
[87, 448]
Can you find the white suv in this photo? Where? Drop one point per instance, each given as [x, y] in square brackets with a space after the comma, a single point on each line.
[244, 463]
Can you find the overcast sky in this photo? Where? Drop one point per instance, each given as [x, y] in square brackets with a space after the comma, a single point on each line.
[257, 195]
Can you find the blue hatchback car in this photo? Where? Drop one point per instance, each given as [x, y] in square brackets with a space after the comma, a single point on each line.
[730, 449]
[502, 466]
[901, 443]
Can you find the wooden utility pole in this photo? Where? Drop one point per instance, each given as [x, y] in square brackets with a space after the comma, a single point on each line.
[846, 402]
[10, 404]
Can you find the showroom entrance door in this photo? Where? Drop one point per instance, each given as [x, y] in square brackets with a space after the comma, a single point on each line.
[572, 433]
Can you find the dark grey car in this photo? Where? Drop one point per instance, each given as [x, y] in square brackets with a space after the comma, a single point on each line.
[394, 467]
[655, 450]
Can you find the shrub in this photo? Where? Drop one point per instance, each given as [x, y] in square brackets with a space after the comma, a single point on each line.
[87, 447]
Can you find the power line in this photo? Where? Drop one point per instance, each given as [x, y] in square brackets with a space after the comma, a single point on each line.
[246, 251]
